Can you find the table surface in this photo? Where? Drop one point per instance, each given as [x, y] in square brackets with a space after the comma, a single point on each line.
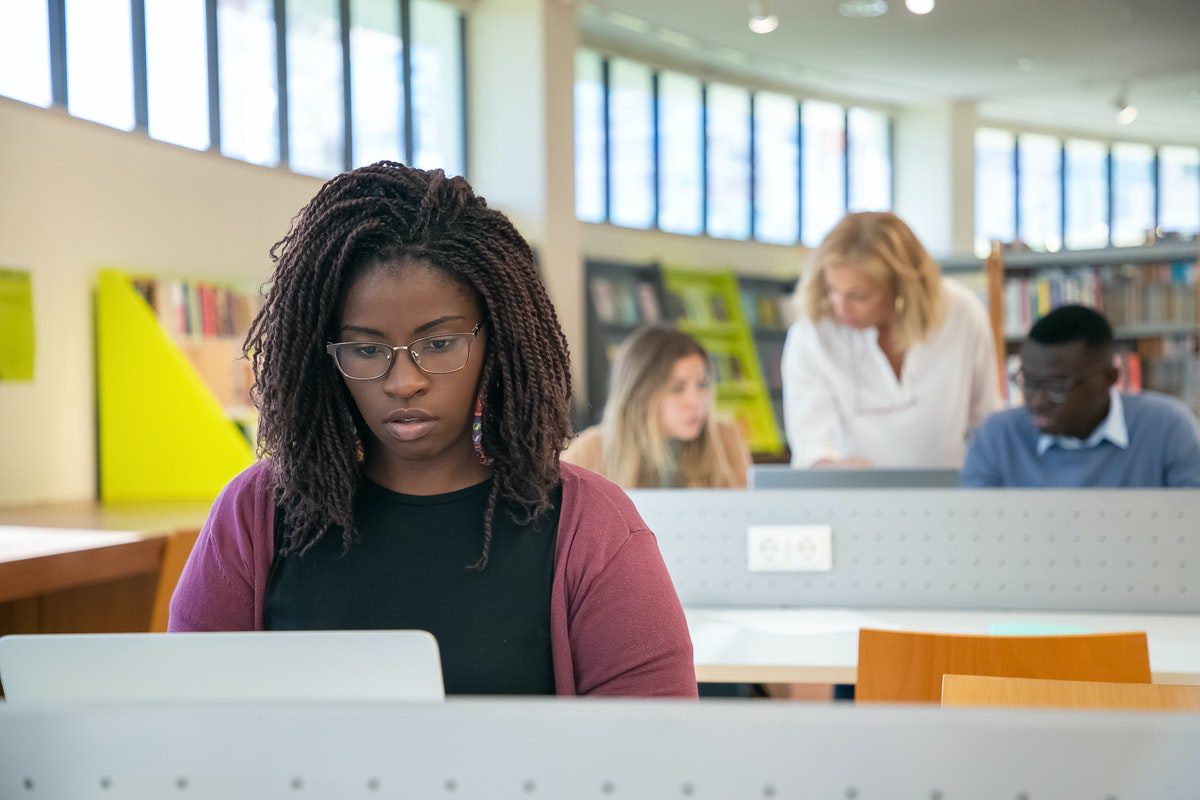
[146, 519]
[820, 645]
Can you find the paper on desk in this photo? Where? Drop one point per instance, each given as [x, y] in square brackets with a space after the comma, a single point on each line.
[795, 621]
[17, 542]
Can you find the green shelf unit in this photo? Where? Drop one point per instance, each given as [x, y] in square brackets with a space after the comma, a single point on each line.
[708, 305]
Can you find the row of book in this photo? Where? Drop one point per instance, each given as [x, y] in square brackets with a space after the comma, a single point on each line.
[698, 306]
[766, 309]
[199, 308]
[625, 302]
[1129, 295]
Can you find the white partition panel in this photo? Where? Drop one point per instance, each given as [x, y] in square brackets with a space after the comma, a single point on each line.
[1132, 551]
[504, 750]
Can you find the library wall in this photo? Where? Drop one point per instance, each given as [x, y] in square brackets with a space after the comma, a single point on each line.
[613, 243]
[79, 197]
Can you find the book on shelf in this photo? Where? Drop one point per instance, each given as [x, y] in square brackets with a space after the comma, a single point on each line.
[208, 322]
[1130, 296]
[765, 309]
[625, 302]
[199, 308]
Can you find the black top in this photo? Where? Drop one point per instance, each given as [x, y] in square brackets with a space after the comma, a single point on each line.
[407, 570]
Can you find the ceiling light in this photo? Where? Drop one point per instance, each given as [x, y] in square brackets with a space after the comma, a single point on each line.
[919, 6]
[861, 9]
[1194, 95]
[1026, 64]
[1126, 112]
[761, 19]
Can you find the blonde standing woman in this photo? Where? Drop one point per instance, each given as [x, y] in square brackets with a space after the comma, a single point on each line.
[659, 429]
[890, 364]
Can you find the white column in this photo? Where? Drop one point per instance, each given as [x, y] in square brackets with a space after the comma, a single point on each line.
[935, 174]
[522, 155]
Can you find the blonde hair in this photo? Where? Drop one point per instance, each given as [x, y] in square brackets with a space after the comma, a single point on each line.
[635, 452]
[889, 253]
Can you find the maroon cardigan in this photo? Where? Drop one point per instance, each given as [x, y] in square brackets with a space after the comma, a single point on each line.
[616, 625]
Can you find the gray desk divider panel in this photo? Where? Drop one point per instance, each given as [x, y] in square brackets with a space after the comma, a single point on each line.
[948, 549]
[588, 750]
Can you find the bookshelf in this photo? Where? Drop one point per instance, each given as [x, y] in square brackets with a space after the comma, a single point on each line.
[174, 418]
[767, 310]
[621, 298]
[1150, 294]
[709, 306]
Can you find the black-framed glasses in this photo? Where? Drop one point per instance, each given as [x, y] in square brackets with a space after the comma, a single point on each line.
[1055, 389]
[435, 355]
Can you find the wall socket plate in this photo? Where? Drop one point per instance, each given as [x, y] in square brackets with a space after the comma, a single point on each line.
[789, 548]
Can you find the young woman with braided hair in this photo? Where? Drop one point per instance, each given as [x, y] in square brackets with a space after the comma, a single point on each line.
[413, 385]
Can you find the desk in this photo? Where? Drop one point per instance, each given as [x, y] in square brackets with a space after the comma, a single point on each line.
[816, 645]
[84, 567]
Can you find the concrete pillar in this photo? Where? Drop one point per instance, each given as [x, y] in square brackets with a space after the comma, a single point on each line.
[521, 68]
[935, 174]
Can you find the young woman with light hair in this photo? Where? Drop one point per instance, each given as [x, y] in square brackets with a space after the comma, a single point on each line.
[890, 364]
[659, 429]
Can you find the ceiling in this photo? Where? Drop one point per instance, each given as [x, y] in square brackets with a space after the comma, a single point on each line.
[1034, 63]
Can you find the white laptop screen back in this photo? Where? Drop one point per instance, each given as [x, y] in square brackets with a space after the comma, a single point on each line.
[341, 666]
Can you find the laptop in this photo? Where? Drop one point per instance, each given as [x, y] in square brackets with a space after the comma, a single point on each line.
[335, 666]
[777, 476]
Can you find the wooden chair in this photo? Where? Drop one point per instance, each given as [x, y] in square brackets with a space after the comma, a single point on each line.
[902, 667]
[978, 690]
[176, 549]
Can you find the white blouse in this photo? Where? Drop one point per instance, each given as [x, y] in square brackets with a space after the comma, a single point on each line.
[841, 398]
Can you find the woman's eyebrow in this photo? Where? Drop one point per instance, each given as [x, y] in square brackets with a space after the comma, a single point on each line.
[357, 329]
[428, 326]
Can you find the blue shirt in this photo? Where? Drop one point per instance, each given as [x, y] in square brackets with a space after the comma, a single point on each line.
[1147, 440]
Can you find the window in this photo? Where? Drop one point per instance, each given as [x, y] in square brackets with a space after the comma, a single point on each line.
[824, 202]
[1133, 193]
[177, 71]
[870, 142]
[376, 81]
[995, 189]
[631, 154]
[314, 87]
[1179, 189]
[681, 153]
[1086, 171]
[25, 51]
[589, 137]
[728, 161]
[777, 175]
[1040, 188]
[437, 87]
[248, 91]
[100, 62]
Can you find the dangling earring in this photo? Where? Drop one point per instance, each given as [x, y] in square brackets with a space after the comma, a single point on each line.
[477, 431]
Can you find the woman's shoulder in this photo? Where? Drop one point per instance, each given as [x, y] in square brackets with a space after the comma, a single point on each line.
[597, 512]
[247, 501]
[963, 306]
[585, 449]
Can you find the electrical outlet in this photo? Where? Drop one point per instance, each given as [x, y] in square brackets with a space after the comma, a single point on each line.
[789, 548]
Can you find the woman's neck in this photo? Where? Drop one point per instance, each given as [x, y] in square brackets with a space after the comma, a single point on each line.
[434, 476]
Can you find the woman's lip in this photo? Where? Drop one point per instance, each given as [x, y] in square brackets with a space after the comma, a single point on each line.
[410, 430]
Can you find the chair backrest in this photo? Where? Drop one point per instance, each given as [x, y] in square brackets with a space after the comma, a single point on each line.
[979, 690]
[176, 549]
[903, 667]
[342, 666]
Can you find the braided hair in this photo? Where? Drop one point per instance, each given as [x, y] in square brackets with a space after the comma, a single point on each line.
[310, 427]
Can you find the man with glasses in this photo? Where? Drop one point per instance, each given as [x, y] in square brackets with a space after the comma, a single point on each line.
[1076, 429]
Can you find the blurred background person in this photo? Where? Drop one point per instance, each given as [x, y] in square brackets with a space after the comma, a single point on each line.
[659, 428]
[889, 363]
[1075, 429]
